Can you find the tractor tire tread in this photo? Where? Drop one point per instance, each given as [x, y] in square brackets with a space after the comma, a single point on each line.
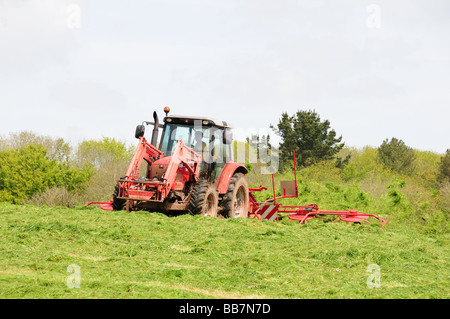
[227, 202]
[118, 204]
[198, 198]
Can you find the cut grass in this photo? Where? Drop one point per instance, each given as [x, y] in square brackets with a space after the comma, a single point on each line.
[150, 255]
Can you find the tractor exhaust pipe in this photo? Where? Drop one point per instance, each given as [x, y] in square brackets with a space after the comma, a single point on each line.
[155, 129]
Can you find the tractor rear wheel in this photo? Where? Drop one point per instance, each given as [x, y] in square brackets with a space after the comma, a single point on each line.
[204, 200]
[236, 201]
[118, 203]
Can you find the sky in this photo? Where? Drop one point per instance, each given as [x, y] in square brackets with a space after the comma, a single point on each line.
[90, 69]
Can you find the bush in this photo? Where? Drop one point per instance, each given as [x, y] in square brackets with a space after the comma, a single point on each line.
[444, 167]
[27, 171]
[55, 196]
[397, 156]
[99, 152]
[445, 197]
[426, 168]
[109, 159]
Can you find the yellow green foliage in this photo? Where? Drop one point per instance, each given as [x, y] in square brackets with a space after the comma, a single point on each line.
[27, 170]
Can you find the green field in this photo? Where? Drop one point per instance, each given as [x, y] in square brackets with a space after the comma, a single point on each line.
[150, 255]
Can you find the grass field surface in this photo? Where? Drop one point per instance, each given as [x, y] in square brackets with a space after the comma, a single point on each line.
[150, 255]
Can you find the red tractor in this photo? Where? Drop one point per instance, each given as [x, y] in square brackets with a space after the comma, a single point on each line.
[191, 170]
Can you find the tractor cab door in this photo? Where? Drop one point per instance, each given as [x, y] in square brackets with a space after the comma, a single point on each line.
[220, 151]
[215, 153]
[205, 143]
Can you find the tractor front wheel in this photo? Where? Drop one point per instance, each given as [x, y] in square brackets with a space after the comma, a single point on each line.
[204, 200]
[236, 201]
[118, 203]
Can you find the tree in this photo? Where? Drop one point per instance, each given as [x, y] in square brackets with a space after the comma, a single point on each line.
[444, 167]
[27, 171]
[258, 144]
[109, 159]
[312, 139]
[98, 153]
[56, 148]
[397, 156]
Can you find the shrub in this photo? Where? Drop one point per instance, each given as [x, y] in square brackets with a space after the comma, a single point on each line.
[55, 196]
[445, 197]
[27, 171]
[109, 159]
[426, 168]
[99, 152]
[396, 155]
[444, 167]
[363, 163]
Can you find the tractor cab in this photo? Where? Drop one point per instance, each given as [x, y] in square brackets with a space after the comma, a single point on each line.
[210, 138]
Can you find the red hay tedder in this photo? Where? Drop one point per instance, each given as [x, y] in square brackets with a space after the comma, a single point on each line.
[192, 171]
[271, 210]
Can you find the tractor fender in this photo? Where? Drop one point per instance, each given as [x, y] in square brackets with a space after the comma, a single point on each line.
[225, 176]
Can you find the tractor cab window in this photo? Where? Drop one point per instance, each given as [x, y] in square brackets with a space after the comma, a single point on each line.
[200, 143]
[218, 152]
[194, 138]
[217, 146]
[207, 141]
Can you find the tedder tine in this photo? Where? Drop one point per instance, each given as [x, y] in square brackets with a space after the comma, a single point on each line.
[385, 221]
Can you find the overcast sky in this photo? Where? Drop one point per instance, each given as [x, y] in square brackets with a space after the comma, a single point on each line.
[87, 69]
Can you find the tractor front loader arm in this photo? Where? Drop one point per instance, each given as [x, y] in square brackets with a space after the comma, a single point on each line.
[143, 151]
[182, 155]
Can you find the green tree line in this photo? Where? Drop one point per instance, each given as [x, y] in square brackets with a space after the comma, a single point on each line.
[49, 171]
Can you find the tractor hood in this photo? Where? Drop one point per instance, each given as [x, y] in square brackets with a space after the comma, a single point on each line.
[159, 167]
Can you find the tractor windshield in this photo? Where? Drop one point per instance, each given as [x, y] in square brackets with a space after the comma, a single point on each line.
[193, 137]
[207, 141]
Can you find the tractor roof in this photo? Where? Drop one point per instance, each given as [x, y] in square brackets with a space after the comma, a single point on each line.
[181, 119]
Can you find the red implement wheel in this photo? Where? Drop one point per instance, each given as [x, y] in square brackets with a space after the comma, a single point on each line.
[353, 219]
[300, 217]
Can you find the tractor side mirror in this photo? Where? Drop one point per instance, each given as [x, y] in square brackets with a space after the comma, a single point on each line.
[227, 136]
[140, 130]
